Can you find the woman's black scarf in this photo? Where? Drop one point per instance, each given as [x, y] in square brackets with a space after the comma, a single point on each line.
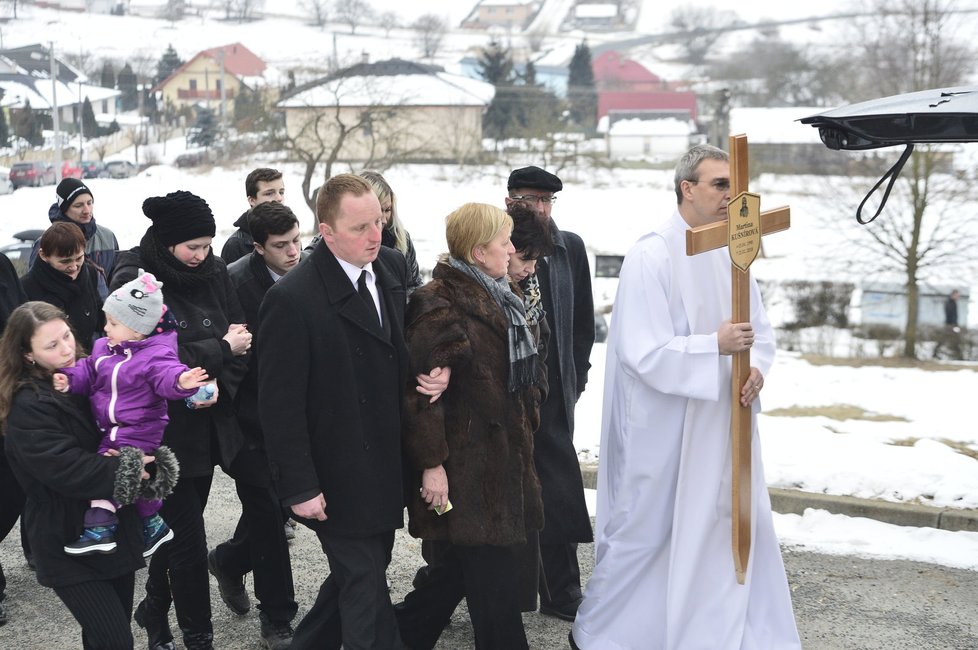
[169, 270]
[59, 284]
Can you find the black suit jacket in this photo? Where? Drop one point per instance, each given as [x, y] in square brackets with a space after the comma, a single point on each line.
[251, 280]
[331, 384]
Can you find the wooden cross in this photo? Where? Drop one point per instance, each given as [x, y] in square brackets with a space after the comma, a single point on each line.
[741, 232]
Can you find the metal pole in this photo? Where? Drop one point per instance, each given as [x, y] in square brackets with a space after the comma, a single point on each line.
[224, 113]
[81, 125]
[54, 115]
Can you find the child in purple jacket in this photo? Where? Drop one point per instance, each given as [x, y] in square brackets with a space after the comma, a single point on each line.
[129, 377]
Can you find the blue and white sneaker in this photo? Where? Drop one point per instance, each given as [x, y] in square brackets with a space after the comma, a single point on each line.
[97, 539]
[155, 534]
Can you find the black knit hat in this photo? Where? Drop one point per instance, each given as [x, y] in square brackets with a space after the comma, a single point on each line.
[533, 178]
[179, 217]
[68, 189]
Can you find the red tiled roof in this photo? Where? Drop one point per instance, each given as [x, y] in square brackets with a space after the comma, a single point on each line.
[610, 67]
[238, 60]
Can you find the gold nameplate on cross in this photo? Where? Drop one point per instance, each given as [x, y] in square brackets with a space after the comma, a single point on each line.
[741, 233]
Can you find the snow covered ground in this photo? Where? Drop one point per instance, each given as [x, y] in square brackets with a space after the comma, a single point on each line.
[855, 457]
[610, 209]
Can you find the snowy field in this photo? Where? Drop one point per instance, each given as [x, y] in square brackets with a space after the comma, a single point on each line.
[855, 457]
[904, 459]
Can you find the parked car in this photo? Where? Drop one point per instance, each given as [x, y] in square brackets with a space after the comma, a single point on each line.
[120, 169]
[33, 174]
[20, 251]
[70, 170]
[192, 159]
[93, 169]
[6, 187]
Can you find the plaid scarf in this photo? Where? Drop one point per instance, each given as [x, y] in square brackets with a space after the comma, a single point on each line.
[522, 347]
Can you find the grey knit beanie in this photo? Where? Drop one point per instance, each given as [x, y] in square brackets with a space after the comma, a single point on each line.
[138, 304]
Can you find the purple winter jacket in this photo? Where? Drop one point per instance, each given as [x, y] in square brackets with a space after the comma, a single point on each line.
[129, 385]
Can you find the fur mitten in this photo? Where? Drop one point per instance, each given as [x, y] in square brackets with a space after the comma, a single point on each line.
[127, 476]
[164, 473]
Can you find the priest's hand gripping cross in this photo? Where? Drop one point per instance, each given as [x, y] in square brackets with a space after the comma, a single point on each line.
[741, 232]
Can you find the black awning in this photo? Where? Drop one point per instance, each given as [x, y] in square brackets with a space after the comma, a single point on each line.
[927, 116]
[923, 117]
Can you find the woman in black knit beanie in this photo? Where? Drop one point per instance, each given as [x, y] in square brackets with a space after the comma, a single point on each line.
[211, 334]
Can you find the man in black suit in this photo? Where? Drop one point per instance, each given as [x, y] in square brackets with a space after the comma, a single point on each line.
[332, 370]
[565, 286]
[259, 543]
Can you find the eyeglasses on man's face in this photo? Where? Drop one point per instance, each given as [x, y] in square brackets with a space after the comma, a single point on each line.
[720, 184]
[535, 198]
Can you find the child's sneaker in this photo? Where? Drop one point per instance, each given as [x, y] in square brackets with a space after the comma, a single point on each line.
[155, 534]
[97, 539]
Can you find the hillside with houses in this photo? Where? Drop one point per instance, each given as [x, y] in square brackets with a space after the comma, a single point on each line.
[584, 87]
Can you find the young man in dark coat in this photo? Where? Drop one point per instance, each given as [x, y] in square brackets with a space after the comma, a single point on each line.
[259, 543]
[261, 186]
[565, 285]
[75, 204]
[332, 349]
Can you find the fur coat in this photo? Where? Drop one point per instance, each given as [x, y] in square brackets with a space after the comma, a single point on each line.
[479, 431]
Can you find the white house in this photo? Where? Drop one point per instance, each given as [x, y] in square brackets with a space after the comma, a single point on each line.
[665, 138]
[402, 109]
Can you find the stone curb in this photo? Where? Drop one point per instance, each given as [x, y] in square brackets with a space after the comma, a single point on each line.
[901, 514]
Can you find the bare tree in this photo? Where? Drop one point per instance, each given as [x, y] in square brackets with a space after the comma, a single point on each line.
[374, 132]
[430, 32]
[174, 10]
[318, 11]
[904, 46]
[353, 12]
[699, 29]
[13, 5]
[100, 146]
[388, 21]
[240, 10]
[535, 38]
[771, 71]
[246, 9]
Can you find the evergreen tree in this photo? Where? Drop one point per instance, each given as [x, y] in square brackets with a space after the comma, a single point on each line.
[169, 62]
[495, 64]
[206, 126]
[126, 82]
[89, 125]
[581, 93]
[26, 125]
[107, 79]
[530, 74]
[249, 109]
[150, 107]
[4, 129]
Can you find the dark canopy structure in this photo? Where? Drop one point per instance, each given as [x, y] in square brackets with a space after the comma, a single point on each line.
[923, 117]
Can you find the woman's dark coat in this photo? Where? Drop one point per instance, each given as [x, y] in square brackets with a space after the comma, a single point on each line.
[78, 298]
[479, 431]
[51, 443]
[203, 312]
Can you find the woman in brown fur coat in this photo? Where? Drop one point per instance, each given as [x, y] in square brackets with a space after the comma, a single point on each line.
[474, 446]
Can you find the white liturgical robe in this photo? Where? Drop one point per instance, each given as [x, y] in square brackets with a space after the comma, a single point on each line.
[664, 573]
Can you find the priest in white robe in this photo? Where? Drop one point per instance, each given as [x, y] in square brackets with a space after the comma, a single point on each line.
[664, 575]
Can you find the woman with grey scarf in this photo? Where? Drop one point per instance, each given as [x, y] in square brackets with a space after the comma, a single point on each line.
[475, 493]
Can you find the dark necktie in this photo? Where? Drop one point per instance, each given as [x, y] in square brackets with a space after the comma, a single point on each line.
[367, 298]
